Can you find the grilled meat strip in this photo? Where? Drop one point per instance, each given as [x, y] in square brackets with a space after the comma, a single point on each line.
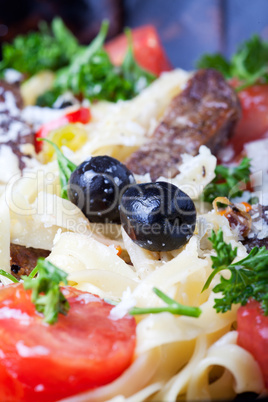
[23, 260]
[205, 113]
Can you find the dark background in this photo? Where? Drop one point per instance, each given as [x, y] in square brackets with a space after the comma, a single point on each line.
[188, 28]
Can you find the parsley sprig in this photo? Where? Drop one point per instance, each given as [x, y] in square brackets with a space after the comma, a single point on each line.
[66, 167]
[249, 277]
[172, 307]
[92, 75]
[49, 48]
[86, 71]
[46, 293]
[227, 182]
[249, 64]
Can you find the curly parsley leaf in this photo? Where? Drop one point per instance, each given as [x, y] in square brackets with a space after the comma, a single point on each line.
[66, 167]
[249, 277]
[70, 76]
[216, 61]
[228, 181]
[99, 79]
[224, 257]
[49, 48]
[249, 64]
[225, 253]
[86, 71]
[92, 74]
[46, 292]
[48, 98]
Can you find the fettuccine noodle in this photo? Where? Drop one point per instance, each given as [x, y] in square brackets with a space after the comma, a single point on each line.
[176, 357]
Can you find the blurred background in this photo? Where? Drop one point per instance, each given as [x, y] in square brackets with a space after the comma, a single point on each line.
[187, 28]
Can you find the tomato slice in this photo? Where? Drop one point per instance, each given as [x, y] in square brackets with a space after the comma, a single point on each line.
[254, 122]
[252, 327]
[83, 350]
[148, 50]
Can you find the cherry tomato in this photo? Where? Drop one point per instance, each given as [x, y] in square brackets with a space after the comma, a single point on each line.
[254, 122]
[83, 350]
[148, 51]
[252, 327]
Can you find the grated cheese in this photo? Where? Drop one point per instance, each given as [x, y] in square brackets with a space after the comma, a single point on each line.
[124, 306]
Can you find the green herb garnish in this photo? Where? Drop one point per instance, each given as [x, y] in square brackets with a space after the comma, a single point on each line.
[86, 71]
[92, 74]
[228, 181]
[216, 61]
[253, 200]
[172, 307]
[48, 98]
[132, 72]
[249, 64]
[66, 168]
[9, 276]
[50, 48]
[69, 78]
[46, 293]
[249, 277]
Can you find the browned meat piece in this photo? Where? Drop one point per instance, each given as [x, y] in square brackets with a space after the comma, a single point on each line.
[203, 114]
[16, 150]
[258, 237]
[23, 260]
[13, 130]
[15, 92]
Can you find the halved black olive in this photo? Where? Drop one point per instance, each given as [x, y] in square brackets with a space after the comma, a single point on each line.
[96, 186]
[157, 216]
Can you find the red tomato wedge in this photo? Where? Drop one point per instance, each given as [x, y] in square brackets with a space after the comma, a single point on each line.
[252, 327]
[148, 50]
[254, 122]
[83, 350]
[81, 115]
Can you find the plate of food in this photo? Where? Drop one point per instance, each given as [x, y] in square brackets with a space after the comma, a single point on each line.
[133, 243]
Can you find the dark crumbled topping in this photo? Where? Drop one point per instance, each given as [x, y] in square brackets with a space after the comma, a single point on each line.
[258, 236]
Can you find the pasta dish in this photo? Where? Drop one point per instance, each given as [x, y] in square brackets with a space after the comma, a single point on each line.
[175, 326]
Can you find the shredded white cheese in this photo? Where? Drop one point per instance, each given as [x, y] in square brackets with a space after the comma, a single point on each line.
[124, 306]
[12, 76]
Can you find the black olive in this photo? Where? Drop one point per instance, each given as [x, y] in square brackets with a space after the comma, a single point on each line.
[157, 216]
[15, 268]
[96, 186]
[65, 104]
[64, 100]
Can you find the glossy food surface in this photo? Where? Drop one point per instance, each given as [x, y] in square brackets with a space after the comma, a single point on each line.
[83, 350]
[96, 186]
[253, 124]
[148, 50]
[157, 216]
[252, 327]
